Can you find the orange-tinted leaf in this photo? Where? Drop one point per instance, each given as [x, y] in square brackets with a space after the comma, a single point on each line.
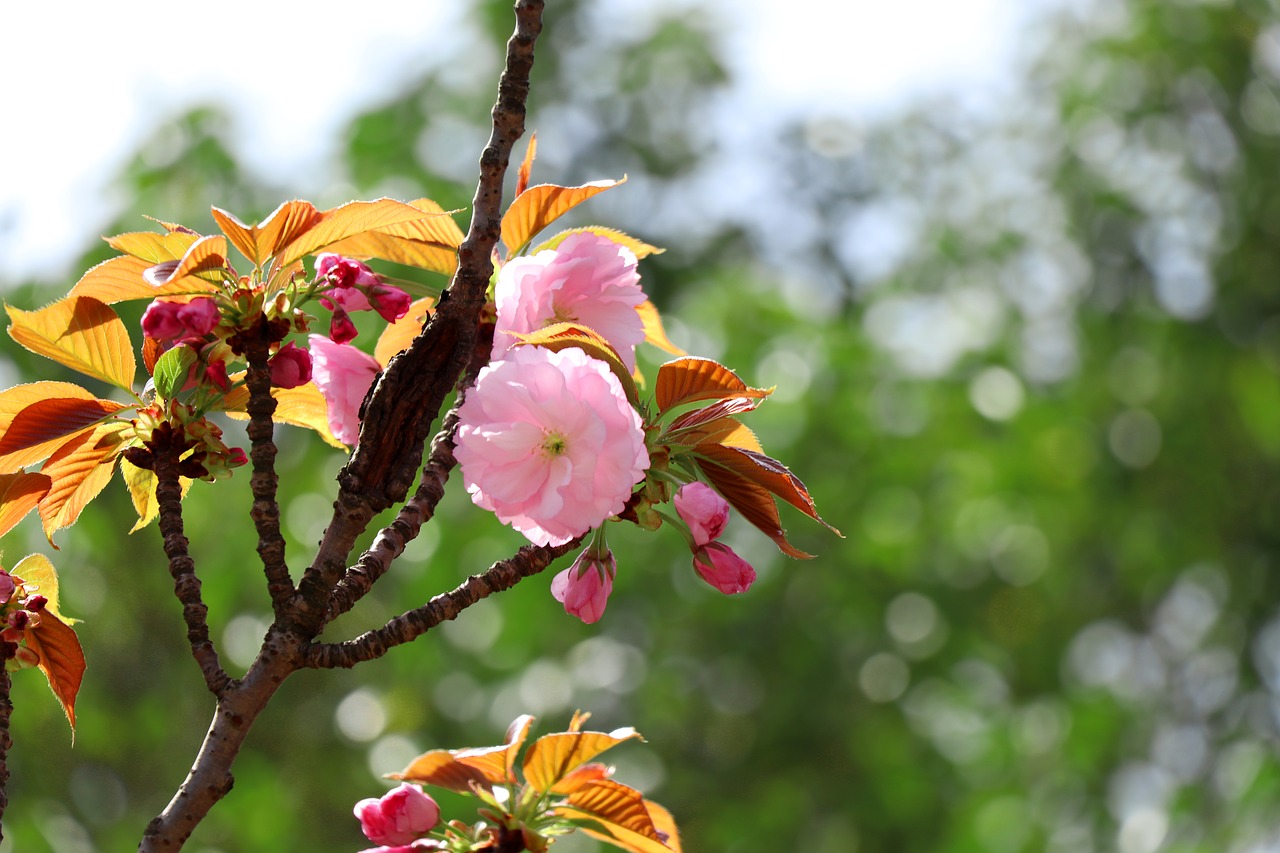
[639, 248]
[61, 660]
[615, 813]
[19, 494]
[259, 242]
[560, 336]
[728, 431]
[44, 426]
[714, 412]
[439, 767]
[654, 333]
[497, 763]
[303, 406]
[397, 336]
[39, 575]
[199, 269]
[80, 332]
[585, 774]
[429, 242]
[537, 207]
[153, 247]
[690, 379]
[766, 471]
[554, 756]
[665, 824]
[80, 469]
[17, 398]
[121, 279]
[359, 217]
[142, 491]
[526, 166]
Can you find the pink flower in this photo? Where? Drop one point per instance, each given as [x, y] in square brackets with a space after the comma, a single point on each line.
[215, 373]
[399, 817]
[343, 272]
[356, 288]
[168, 321]
[290, 366]
[702, 508]
[7, 587]
[343, 374]
[718, 565]
[584, 587]
[587, 279]
[548, 441]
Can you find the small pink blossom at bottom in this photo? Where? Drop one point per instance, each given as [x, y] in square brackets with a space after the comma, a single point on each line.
[398, 817]
[702, 508]
[584, 587]
[549, 442]
[343, 374]
[290, 366]
[720, 566]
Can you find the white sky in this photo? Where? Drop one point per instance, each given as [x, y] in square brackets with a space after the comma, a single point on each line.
[85, 81]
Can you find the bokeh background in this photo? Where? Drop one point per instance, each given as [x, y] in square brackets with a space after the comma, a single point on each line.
[1026, 339]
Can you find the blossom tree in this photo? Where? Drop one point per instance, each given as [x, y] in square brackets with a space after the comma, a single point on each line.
[554, 429]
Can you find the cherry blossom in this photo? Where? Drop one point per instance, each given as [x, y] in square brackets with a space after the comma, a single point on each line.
[343, 374]
[398, 817]
[180, 321]
[702, 508]
[548, 441]
[718, 565]
[584, 587]
[587, 279]
[290, 366]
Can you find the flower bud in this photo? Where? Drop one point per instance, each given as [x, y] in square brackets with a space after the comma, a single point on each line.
[584, 587]
[399, 817]
[720, 566]
[290, 366]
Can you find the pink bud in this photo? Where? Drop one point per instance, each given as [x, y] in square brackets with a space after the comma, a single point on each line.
[584, 587]
[36, 603]
[169, 321]
[720, 566]
[216, 375]
[702, 508]
[399, 817]
[7, 587]
[344, 272]
[290, 366]
[341, 329]
[390, 302]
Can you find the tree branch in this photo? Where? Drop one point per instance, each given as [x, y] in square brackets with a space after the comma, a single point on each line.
[264, 481]
[6, 711]
[528, 561]
[407, 398]
[167, 446]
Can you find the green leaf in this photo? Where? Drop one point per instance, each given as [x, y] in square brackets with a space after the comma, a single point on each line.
[172, 369]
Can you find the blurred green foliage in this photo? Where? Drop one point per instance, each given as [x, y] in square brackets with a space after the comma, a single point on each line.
[1026, 359]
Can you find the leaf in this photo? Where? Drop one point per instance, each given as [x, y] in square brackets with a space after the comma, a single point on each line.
[171, 370]
[526, 166]
[259, 242]
[44, 426]
[439, 767]
[17, 398]
[19, 494]
[615, 813]
[303, 406]
[498, 762]
[768, 472]
[639, 248]
[552, 757]
[80, 469]
[654, 333]
[153, 247]
[584, 774]
[201, 268]
[560, 336]
[430, 242]
[359, 217]
[39, 574]
[728, 431]
[708, 414]
[61, 661]
[665, 824]
[690, 379]
[397, 336]
[537, 207]
[80, 332]
[142, 491]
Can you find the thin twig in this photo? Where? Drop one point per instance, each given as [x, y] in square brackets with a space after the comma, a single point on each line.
[167, 447]
[6, 711]
[264, 481]
[528, 561]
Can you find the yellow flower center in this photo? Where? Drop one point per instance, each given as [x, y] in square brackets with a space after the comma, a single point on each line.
[554, 444]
